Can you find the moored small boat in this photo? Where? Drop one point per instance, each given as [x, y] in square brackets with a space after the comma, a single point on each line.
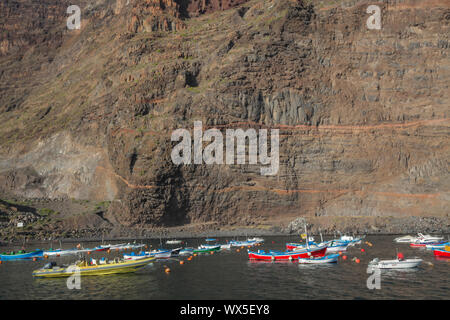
[235, 243]
[444, 252]
[186, 251]
[222, 246]
[206, 250]
[424, 243]
[175, 252]
[255, 240]
[51, 270]
[405, 239]
[174, 241]
[420, 237]
[160, 253]
[333, 246]
[293, 245]
[332, 258]
[59, 252]
[399, 263]
[21, 255]
[437, 246]
[287, 255]
[134, 256]
[351, 240]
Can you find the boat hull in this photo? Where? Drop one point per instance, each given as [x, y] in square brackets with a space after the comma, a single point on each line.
[293, 255]
[206, 250]
[96, 270]
[336, 249]
[20, 256]
[320, 260]
[58, 253]
[161, 254]
[396, 264]
[425, 244]
[135, 257]
[441, 253]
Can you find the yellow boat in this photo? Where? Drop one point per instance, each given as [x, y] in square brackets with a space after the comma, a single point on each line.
[117, 266]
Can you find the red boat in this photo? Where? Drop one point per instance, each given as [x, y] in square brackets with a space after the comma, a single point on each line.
[417, 245]
[287, 255]
[423, 245]
[441, 253]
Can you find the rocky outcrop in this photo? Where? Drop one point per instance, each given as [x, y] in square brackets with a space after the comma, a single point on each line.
[362, 114]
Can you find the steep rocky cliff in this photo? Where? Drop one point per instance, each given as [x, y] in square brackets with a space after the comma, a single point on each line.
[363, 114]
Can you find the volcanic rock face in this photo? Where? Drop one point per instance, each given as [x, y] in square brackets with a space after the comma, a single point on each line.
[363, 114]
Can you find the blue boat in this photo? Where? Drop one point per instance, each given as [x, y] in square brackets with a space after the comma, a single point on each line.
[332, 258]
[21, 255]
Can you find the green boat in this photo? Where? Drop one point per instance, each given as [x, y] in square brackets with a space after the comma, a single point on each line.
[207, 249]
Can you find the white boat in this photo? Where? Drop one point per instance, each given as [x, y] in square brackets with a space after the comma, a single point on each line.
[123, 246]
[351, 240]
[255, 240]
[135, 256]
[235, 243]
[112, 246]
[420, 238]
[174, 241]
[160, 254]
[211, 246]
[334, 247]
[319, 260]
[399, 263]
[405, 239]
[60, 252]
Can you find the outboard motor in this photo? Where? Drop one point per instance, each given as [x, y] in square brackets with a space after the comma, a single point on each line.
[50, 265]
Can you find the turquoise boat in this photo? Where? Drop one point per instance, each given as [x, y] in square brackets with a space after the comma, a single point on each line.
[21, 255]
[207, 250]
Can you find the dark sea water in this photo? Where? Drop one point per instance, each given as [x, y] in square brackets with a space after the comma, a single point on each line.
[230, 275]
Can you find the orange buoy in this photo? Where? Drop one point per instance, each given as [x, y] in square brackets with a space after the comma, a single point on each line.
[357, 260]
[237, 250]
[344, 257]
[181, 262]
[45, 256]
[89, 252]
[340, 253]
[167, 270]
[362, 250]
[34, 259]
[0, 261]
[109, 251]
